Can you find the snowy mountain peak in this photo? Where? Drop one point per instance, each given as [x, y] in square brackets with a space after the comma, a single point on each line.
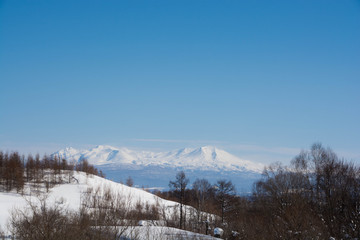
[203, 158]
[70, 149]
[104, 147]
[68, 153]
[209, 151]
[208, 148]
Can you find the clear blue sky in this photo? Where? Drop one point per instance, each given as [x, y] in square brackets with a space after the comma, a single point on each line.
[260, 79]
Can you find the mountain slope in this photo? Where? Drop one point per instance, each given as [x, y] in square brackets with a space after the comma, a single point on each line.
[206, 158]
[71, 196]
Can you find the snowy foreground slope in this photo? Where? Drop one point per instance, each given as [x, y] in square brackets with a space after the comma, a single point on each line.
[155, 169]
[70, 194]
[163, 233]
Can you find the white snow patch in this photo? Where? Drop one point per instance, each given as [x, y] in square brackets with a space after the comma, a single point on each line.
[71, 194]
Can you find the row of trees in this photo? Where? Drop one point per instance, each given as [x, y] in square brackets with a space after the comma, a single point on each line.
[203, 197]
[16, 170]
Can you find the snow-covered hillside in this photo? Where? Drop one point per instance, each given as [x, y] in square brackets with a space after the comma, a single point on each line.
[71, 194]
[206, 158]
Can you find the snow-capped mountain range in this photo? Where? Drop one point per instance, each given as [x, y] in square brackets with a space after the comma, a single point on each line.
[207, 158]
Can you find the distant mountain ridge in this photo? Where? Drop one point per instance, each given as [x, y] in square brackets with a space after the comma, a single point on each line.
[207, 158]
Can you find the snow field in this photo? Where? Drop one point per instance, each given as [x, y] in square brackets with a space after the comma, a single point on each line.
[70, 195]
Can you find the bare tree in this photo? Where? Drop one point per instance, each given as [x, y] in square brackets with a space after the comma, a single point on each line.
[109, 211]
[335, 188]
[202, 189]
[130, 181]
[2, 234]
[224, 190]
[283, 198]
[41, 221]
[179, 187]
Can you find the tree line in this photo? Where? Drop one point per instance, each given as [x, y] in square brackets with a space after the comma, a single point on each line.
[316, 197]
[217, 199]
[16, 170]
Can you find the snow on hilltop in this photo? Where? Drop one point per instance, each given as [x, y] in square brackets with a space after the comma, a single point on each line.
[203, 158]
[71, 194]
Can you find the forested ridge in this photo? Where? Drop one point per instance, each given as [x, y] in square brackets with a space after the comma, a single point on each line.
[16, 170]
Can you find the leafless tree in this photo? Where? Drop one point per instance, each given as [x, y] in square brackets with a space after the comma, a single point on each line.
[202, 189]
[224, 190]
[129, 181]
[179, 186]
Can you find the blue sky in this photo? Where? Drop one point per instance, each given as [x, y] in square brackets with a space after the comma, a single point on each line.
[261, 79]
